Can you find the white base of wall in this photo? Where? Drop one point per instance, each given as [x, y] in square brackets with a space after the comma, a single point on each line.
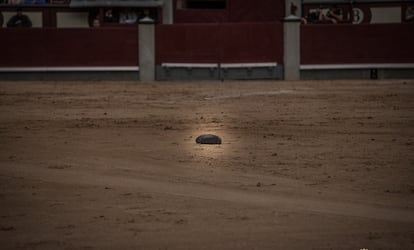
[68, 69]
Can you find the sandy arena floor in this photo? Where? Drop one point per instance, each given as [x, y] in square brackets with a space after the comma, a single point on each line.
[303, 165]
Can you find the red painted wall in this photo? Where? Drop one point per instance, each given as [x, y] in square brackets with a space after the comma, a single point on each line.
[355, 44]
[69, 47]
[207, 43]
[219, 43]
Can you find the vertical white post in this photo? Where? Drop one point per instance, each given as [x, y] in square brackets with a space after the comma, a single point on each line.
[291, 48]
[168, 12]
[146, 50]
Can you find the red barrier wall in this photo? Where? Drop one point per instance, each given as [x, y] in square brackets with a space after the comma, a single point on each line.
[219, 43]
[68, 47]
[207, 43]
[355, 44]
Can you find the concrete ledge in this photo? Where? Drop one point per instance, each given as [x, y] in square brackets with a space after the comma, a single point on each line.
[212, 71]
[247, 72]
[357, 66]
[175, 71]
[247, 65]
[190, 65]
[338, 74]
[70, 76]
[217, 71]
[69, 69]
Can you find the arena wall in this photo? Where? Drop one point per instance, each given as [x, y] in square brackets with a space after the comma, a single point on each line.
[365, 51]
[214, 51]
[219, 51]
[357, 44]
[219, 43]
[50, 47]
